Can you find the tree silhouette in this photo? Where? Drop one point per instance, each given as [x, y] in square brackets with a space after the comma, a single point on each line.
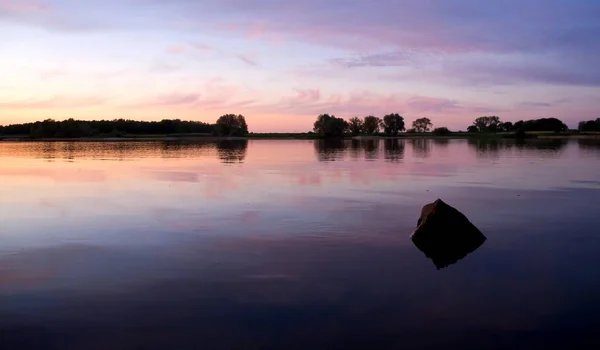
[231, 125]
[441, 131]
[355, 125]
[371, 124]
[330, 126]
[490, 124]
[589, 125]
[72, 128]
[506, 126]
[393, 124]
[472, 128]
[422, 125]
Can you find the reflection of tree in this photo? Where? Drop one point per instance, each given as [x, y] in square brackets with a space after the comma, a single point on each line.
[421, 147]
[69, 150]
[589, 147]
[355, 148]
[371, 148]
[329, 149]
[48, 150]
[393, 150]
[486, 148]
[549, 148]
[441, 142]
[232, 151]
[593, 144]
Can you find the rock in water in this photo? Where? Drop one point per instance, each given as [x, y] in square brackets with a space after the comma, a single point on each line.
[445, 235]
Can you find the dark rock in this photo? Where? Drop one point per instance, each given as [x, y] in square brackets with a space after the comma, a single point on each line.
[445, 235]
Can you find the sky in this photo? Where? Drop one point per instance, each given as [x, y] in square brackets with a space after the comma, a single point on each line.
[282, 63]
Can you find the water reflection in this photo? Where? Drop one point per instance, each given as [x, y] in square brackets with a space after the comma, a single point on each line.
[486, 148]
[371, 148]
[160, 245]
[495, 148]
[589, 147]
[393, 150]
[232, 151]
[421, 147]
[330, 149]
[355, 149]
[441, 142]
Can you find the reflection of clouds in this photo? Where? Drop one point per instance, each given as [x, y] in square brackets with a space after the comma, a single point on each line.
[309, 179]
[215, 187]
[57, 175]
[176, 176]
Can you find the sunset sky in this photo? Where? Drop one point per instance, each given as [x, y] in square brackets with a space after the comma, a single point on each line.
[281, 63]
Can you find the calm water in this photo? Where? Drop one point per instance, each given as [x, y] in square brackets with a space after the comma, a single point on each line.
[295, 245]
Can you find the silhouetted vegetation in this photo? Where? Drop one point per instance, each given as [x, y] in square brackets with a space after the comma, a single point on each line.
[371, 124]
[441, 131]
[542, 124]
[330, 126]
[494, 124]
[488, 124]
[422, 125]
[393, 124]
[355, 125]
[72, 128]
[589, 125]
[231, 125]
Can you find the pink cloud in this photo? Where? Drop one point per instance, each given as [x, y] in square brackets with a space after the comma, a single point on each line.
[173, 100]
[54, 102]
[431, 104]
[214, 94]
[305, 95]
[176, 50]
[17, 6]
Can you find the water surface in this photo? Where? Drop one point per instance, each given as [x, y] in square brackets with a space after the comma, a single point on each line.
[295, 244]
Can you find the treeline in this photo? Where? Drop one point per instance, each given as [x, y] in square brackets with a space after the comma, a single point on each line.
[227, 125]
[589, 125]
[494, 124]
[391, 124]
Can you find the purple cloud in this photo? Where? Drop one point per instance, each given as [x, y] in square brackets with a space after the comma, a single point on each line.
[563, 36]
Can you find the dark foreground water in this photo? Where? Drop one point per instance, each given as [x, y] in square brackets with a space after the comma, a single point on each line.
[296, 245]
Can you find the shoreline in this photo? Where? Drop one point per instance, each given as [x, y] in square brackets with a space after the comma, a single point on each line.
[285, 137]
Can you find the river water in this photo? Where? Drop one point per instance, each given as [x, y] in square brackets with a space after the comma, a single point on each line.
[294, 244]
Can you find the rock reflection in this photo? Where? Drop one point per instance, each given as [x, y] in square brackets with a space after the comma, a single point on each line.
[330, 149]
[393, 150]
[421, 147]
[232, 151]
